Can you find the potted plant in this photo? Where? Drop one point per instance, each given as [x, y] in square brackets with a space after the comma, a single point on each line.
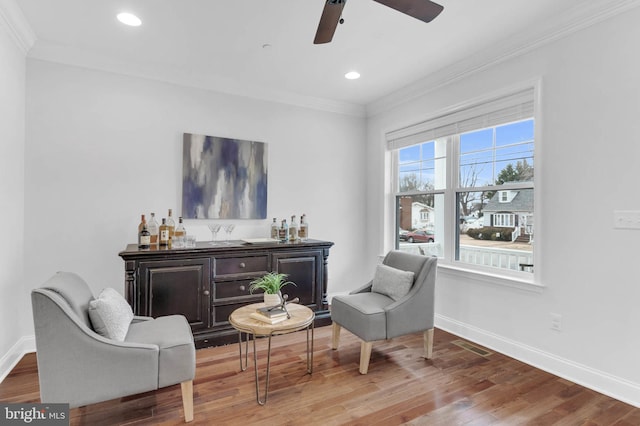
[271, 284]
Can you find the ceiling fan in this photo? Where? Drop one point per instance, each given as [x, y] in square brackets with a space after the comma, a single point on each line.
[424, 10]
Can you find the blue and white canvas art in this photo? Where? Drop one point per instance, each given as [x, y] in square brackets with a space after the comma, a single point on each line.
[223, 178]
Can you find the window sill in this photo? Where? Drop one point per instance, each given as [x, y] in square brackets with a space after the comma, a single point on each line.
[523, 283]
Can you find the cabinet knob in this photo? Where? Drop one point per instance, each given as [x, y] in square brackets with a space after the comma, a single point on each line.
[206, 292]
[242, 288]
[243, 265]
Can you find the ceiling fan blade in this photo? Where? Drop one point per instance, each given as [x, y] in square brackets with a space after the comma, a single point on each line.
[329, 21]
[423, 10]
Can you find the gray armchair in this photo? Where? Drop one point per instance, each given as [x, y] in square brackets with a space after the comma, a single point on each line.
[373, 316]
[78, 366]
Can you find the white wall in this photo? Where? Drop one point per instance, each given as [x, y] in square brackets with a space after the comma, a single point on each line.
[103, 148]
[589, 151]
[12, 120]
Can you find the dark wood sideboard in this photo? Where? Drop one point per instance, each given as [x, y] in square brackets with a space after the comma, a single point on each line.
[206, 283]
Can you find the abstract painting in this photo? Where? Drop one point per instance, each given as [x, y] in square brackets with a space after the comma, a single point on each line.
[223, 178]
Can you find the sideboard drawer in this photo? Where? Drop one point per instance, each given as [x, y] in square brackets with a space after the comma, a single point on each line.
[225, 290]
[222, 312]
[241, 265]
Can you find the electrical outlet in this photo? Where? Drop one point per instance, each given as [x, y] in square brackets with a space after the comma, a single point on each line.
[556, 322]
[626, 219]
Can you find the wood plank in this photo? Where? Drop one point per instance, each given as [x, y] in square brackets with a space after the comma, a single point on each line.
[455, 386]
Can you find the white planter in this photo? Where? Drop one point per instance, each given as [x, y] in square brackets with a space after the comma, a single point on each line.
[272, 299]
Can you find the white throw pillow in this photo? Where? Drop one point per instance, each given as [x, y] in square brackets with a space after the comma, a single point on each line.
[110, 315]
[392, 282]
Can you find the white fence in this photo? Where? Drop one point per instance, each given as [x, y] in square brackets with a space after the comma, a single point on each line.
[427, 249]
[516, 260]
[497, 257]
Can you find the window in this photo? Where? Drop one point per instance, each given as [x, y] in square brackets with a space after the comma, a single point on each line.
[505, 220]
[420, 202]
[464, 185]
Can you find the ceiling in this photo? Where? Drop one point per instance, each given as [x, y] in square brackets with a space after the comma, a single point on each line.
[264, 48]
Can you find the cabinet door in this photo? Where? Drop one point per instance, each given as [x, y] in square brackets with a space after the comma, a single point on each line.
[171, 287]
[304, 269]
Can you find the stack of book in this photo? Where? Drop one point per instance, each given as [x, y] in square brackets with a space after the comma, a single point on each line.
[270, 314]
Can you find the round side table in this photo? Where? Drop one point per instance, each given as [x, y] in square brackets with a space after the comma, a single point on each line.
[301, 317]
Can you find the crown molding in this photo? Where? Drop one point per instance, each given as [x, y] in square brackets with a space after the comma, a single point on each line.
[12, 18]
[588, 14]
[576, 19]
[68, 55]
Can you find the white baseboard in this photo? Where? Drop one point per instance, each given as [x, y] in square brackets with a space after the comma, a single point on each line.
[23, 346]
[599, 381]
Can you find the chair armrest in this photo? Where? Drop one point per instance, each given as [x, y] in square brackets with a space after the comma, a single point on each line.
[409, 314]
[364, 289]
[416, 310]
[137, 318]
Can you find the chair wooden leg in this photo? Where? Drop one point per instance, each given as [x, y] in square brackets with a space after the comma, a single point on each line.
[187, 400]
[335, 335]
[428, 343]
[365, 356]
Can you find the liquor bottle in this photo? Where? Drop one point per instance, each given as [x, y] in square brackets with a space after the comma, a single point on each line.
[274, 229]
[283, 232]
[293, 230]
[164, 233]
[303, 232]
[180, 230]
[171, 224]
[143, 222]
[144, 237]
[153, 229]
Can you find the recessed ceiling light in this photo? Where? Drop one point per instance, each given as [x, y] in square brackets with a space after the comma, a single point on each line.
[352, 75]
[129, 19]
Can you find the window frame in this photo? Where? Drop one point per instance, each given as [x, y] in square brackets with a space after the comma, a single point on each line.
[527, 280]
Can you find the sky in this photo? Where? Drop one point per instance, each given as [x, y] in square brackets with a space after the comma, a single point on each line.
[483, 154]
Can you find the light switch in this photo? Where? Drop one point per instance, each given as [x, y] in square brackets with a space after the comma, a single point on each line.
[626, 219]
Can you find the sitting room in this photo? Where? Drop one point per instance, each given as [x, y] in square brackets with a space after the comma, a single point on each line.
[431, 179]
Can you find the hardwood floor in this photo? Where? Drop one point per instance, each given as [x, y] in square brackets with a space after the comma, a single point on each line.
[456, 387]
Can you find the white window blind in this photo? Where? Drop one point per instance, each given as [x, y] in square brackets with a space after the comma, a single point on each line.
[512, 107]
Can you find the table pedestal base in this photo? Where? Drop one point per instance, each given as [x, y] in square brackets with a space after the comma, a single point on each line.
[244, 365]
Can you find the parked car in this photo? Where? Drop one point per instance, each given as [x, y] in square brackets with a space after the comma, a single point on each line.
[422, 236]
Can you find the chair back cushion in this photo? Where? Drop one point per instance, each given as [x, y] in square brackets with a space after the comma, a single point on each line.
[392, 282]
[110, 315]
[74, 290]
